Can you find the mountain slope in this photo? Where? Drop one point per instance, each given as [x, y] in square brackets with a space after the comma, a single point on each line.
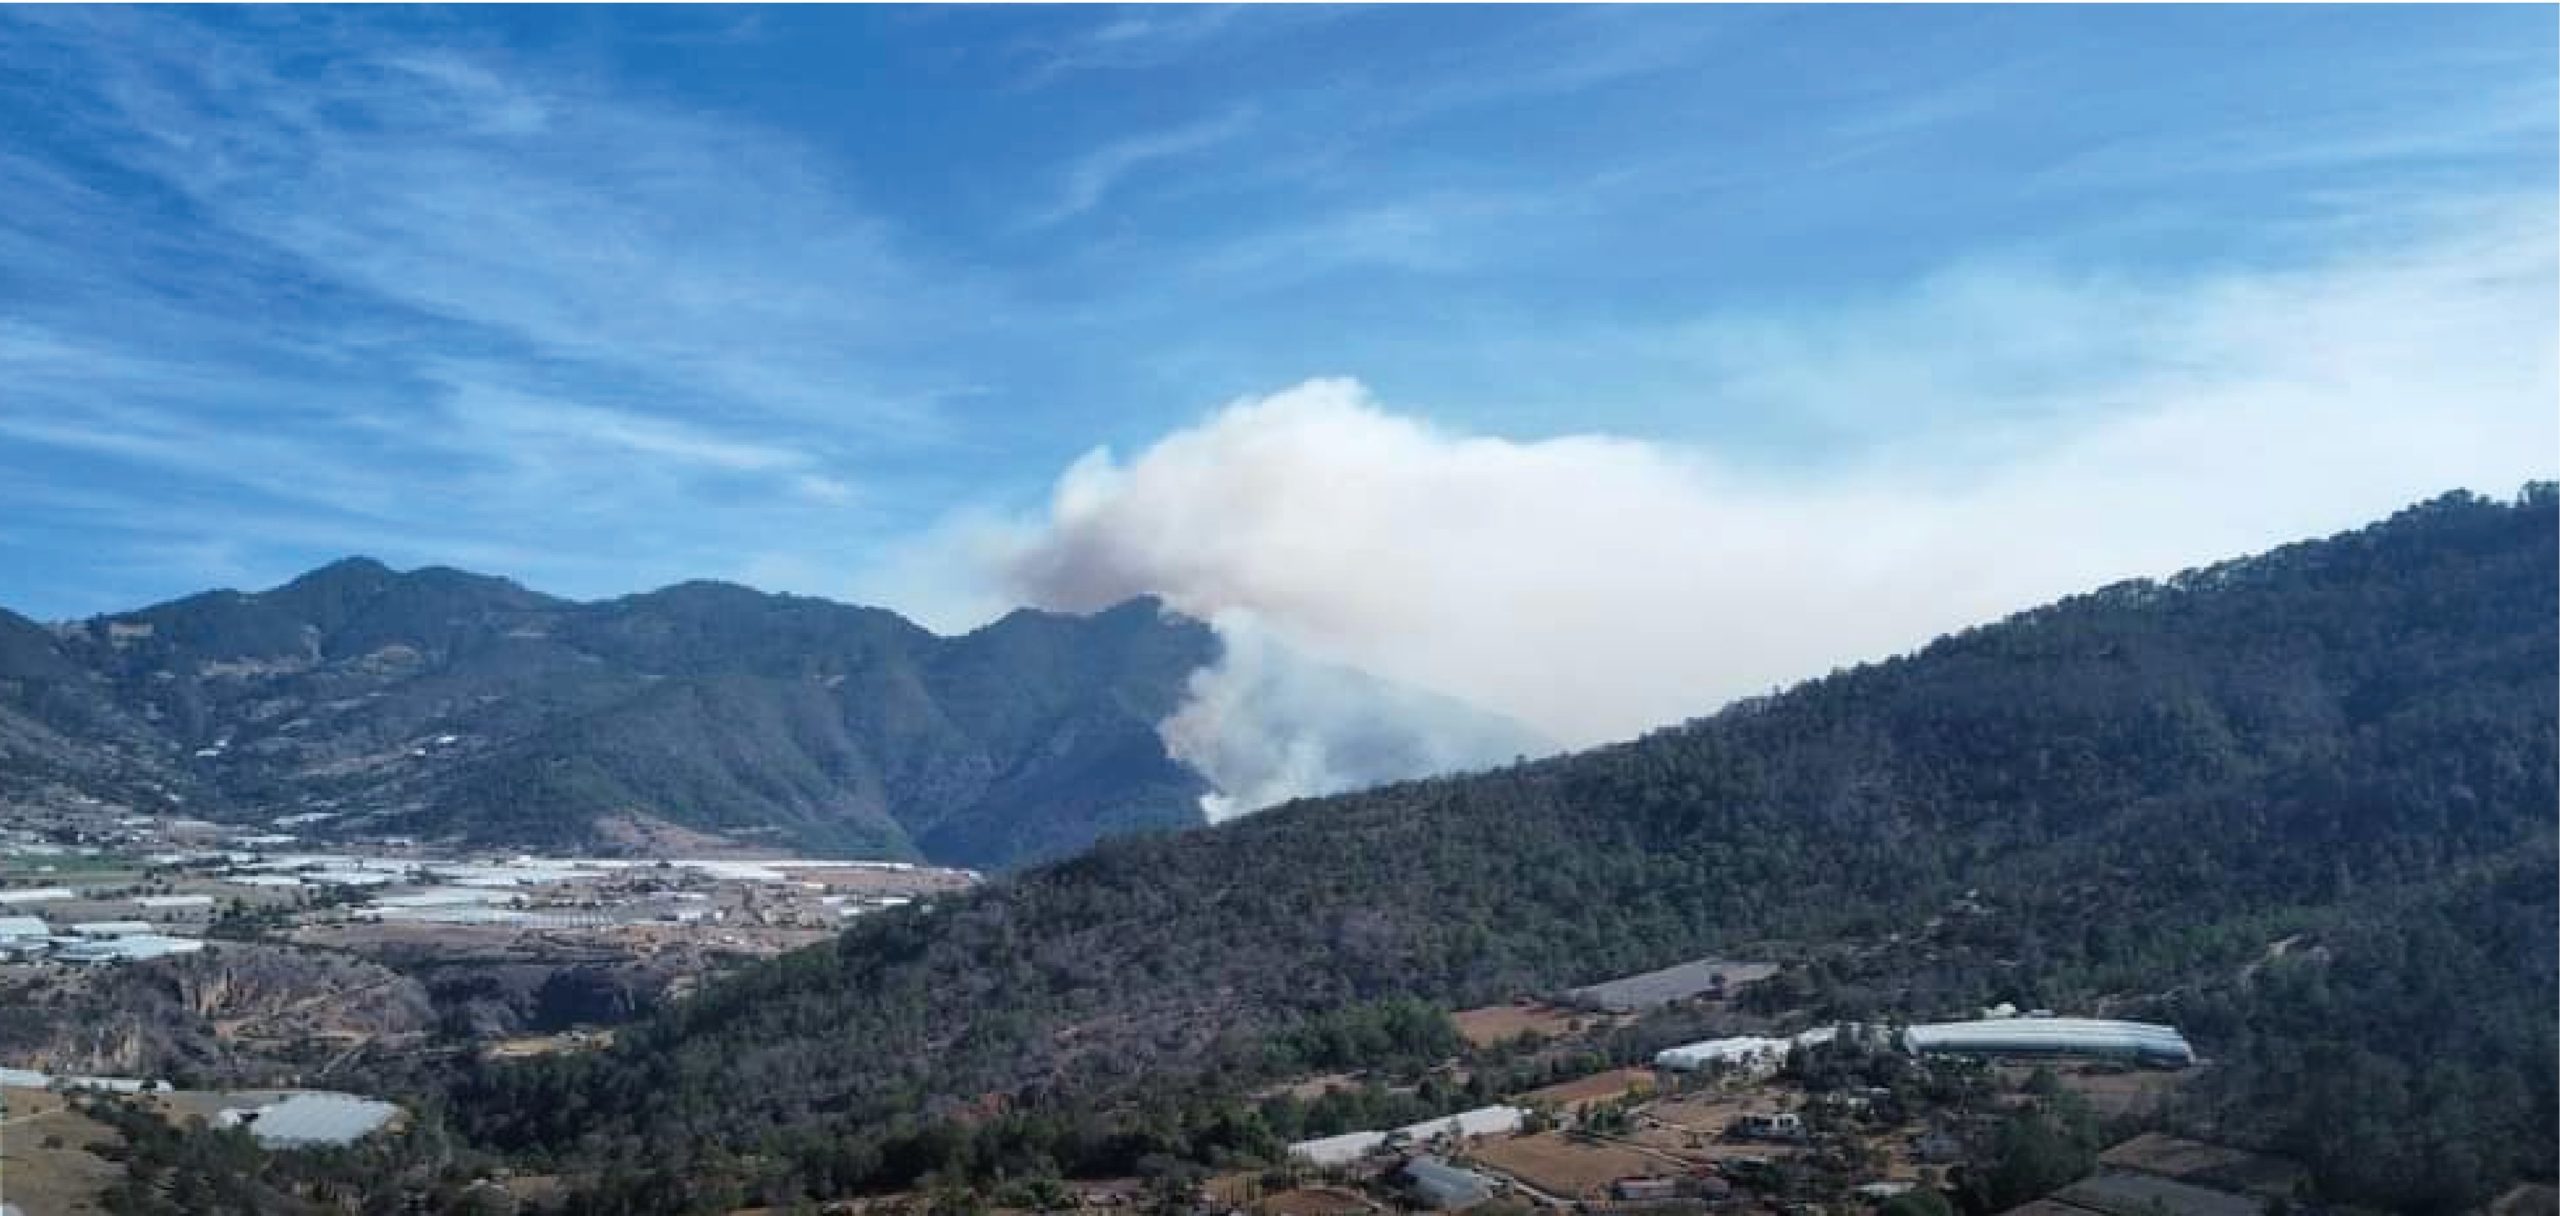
[438, 703]
[2353, 737]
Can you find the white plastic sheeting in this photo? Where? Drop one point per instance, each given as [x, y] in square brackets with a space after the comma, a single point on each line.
[1741, 1051]
[2053, 1036]
[1467, 1124]
[319, 1118]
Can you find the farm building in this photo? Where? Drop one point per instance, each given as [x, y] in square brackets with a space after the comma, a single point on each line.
[2144, 1041]
[1444, 1187]
[1749, 1054]
[1644, 1190]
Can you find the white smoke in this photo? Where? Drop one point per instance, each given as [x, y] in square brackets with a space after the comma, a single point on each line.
[1267, 723]
[1591, 587]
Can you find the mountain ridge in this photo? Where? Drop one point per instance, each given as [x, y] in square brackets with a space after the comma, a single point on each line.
[438, 702]
[2133, 791]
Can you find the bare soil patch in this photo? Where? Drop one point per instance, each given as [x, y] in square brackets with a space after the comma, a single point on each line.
[44, 1153]
[1567, 1167]
[1599, 1087]
[1502, 1023]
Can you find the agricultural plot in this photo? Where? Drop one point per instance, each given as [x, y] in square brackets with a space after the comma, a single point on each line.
[1494, 1024]
[1567, 1167]
[1707, 977]
[1599, 1087]
[44, 1154]
[2112, 1094]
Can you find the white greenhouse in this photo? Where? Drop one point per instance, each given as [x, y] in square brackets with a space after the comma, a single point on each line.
[2144, 1041]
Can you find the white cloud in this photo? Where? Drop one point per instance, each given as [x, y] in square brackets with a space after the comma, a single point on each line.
[1095, 174]
[1592, 586]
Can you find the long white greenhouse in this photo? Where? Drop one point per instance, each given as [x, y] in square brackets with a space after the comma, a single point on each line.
[2144, 1041]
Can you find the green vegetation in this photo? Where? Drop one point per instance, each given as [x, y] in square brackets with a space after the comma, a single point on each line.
[491, 713]
[2128, 797]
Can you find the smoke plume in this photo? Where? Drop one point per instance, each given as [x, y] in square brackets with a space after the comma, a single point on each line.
[1589, 587]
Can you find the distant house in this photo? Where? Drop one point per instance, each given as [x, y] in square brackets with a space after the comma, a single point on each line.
[1440, 1186]
[1937, 1147]
[1640, 1190]
[1780, 1126]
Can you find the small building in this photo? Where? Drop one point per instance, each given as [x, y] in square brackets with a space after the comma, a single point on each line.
[1438, 1185]
[1645, 1190]
[1937, 1147]
[1779, 1126]
[37, 895]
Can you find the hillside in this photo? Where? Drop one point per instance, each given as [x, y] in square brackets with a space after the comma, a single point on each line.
[440, 704]
[2139, 789]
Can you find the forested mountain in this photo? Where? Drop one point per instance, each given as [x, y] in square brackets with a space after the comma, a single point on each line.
[437, 703]
[2133, 793]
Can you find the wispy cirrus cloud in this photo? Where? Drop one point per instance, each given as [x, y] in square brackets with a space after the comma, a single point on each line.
[616, 292]
[346, 272]
[1095, 173]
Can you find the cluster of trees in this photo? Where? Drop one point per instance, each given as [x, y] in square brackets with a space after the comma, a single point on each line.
[196, 1170]
[2123, 798]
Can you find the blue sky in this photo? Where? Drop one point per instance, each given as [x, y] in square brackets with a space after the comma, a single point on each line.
[602, 299]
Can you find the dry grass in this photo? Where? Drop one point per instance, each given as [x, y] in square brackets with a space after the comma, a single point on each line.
[2111, 1095]
[45, 1179]
[1503, 1023]
[1309, 1089]
[1314, 1201]
[550, 1044]
[1599, 1087]
[1569, 1168]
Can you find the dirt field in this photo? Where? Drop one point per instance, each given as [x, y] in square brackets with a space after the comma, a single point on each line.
[47, 1180]
[550, 1044]
[1503, 1023]
[2112, 1094]
[1314, 1201]
[1709, 1114]
[1599, 1087]
[1567, 1168]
